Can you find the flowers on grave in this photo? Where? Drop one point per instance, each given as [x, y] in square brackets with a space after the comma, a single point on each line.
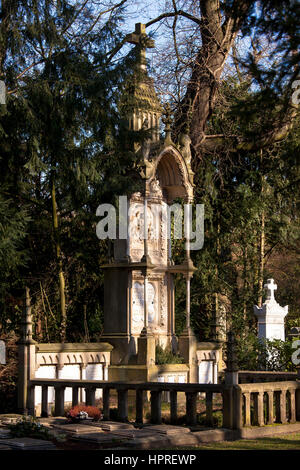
[82, 412]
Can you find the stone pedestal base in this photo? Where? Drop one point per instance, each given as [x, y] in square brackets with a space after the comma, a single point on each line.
[146, 350]
[187, 347]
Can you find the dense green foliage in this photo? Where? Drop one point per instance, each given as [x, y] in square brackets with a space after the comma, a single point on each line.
[166, 356]
[61, 130]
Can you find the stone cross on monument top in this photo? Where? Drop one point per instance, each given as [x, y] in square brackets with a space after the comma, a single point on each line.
[139, 37]
[271, 287]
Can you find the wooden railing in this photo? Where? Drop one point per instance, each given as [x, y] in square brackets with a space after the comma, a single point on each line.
[155, 388]
[268, 403]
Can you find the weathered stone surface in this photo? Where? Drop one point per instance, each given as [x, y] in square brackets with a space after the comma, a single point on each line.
[113, 425]
[27, 443]
[167, 430]
[183, 439]
[214, 435]
[99, 438]
[77, 428]
[10, 418]
[150, 442]
[5, 447]
[132, 433]
[4, 433]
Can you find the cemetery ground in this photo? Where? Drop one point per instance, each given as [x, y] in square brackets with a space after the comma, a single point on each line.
[58, 434]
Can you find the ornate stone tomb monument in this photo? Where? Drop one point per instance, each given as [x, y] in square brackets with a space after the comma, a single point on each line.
[271, 315]
[139, 305]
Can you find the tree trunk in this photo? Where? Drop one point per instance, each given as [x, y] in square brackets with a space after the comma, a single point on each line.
[60, 265]
[262, 240]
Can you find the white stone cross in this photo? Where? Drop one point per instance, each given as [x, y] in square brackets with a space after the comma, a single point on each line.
[271, 287]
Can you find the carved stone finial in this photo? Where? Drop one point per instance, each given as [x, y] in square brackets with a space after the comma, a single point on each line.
[167, 120]
[26, 337]
[270, 286]
[139, 38]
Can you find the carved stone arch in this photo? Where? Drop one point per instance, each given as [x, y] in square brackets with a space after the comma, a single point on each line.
[80, 359]
[50, 359]
[44, 360]
[68, 358]
[92, 358]
[171, 171]
[103, 359]
[75, 358]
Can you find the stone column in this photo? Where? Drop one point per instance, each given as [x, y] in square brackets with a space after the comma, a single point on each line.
[139, 403]
[145, 303]
[173, 406]
[106, 403]
[123, 405]
[146, 341]
[26, 356]
[155, 407]
[270, 408]
[191, 408]
[44, 407]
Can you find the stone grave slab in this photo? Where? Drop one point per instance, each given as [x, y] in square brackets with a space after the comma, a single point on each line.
[76, 428]
[4, 433]
[114, 425]
[167, 429]
[132, 433]
[99, 438]
[27, 443]
[10, 419]
[150, 442]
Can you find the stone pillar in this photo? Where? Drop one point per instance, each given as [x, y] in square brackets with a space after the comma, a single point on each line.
[123, 405]
[59, 409]
[90, 393]
[191, 408]
[270, 408]
[44, 411]
[139, 403]
[209, 408]
[26, 356]
[145, 329]
[106, 410]
[146, 350]
[188, 302]
[247, 402]
[293, 405]
[156, 407]
[173, 406]
[75, 394]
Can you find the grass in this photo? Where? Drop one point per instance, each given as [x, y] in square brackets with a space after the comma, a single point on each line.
[282, 442]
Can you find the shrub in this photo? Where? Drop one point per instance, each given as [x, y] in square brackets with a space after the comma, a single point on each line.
[256, 354]
[165, 356]
[29, 427]
[92, 412]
